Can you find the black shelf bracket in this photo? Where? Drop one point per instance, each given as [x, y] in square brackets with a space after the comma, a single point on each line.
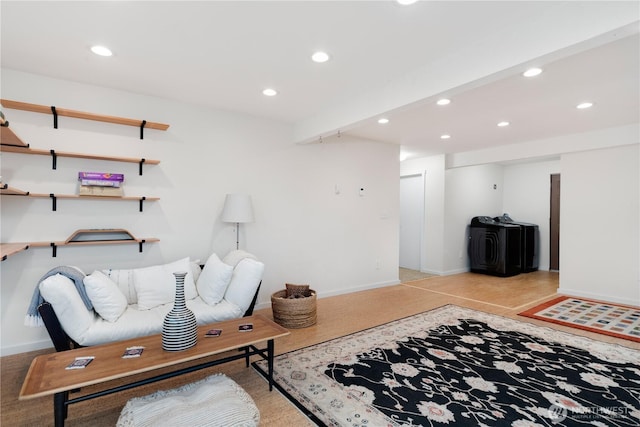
[54, 158]
[55, 117]
[140, 166]
[54, 202]
[140, 243]
[142, 199]
[142, 125]
[54, 249]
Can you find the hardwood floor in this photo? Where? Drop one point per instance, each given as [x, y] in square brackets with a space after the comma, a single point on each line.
[337, 316]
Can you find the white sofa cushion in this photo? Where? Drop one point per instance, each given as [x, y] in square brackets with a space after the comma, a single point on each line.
[126, 282]
[234, 257]
[61, 293]
[105, 296]
[195, 269]
[244, 282]
[136, 323]
[87, 328]
[156, 285]
[214, 279]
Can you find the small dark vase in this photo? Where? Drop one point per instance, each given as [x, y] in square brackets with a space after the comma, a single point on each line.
[179, 329]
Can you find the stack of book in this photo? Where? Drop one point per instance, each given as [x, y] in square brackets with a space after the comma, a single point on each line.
[100, 184]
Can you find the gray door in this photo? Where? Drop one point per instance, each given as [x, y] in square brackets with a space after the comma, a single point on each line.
[411, 220]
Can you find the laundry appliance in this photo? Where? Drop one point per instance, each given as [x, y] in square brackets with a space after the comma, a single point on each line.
[529, 242]
[494, 247]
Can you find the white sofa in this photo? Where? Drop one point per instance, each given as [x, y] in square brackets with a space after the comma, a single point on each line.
[133, 302]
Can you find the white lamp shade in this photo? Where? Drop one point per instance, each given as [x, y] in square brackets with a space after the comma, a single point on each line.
[237, 208]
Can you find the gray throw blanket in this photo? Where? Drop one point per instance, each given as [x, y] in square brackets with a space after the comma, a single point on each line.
[33, 317]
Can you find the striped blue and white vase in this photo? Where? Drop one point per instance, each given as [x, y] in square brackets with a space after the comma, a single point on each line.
[179, 329]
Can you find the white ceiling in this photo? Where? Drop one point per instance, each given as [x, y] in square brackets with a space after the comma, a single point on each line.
[387, 60]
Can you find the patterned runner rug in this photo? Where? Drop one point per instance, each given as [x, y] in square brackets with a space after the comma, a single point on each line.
[455, 366]
[604, 318]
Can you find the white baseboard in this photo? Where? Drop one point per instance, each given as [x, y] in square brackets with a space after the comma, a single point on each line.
[447, 272]
[456, 271]
[358, 288]
[24, 348]
[600, 297]
[267, 304]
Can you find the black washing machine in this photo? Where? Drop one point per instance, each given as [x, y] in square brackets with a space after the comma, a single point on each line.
[529, 242]
[494, 247]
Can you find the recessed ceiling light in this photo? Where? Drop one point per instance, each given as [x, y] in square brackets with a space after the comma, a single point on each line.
[445, 136]
[406, 2]
[269, 92]
[383, 120]
[584, 105]
[503, 124]
[443, 101]
[101, 50]
[532, 72]
[320, 57]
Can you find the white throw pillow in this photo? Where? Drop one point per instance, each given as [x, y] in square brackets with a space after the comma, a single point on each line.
[156, 285]
[244, 282]
[125, 281]
[214, 279]
[234, 257]
[61, 293]
[105, 296]
[195, 269]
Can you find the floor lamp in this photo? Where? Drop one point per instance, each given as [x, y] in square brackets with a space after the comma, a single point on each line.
[237, 208]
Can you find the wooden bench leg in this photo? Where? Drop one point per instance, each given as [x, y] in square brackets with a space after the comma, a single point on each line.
[60, 408]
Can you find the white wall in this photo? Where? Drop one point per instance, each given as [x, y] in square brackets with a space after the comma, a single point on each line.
[599, 216]
[544, 149]
[469, 192]
[304, 231]
[599, 232]
[434, 211]
[452, 198]
[526, 198]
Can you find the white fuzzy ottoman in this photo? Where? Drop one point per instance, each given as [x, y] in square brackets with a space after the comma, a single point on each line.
[214, 401]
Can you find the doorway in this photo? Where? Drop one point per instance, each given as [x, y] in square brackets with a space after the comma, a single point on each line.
[554, 224]
[411, 220]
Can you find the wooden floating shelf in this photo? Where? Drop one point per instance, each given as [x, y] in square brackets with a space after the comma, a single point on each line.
[81, 238]
[76, 196]
[12, 149]
[10, 191]
[55, 154]
[8, 249]
[45, 109]
[8, 137]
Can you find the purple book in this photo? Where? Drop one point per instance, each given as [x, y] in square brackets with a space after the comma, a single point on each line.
[102, 176]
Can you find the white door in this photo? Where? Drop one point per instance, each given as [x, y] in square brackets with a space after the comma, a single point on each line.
[411, 220]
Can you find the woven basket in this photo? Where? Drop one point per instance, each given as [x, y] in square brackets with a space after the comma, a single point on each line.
[294, 313]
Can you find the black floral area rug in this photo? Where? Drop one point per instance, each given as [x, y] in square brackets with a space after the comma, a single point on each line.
[459, 367]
